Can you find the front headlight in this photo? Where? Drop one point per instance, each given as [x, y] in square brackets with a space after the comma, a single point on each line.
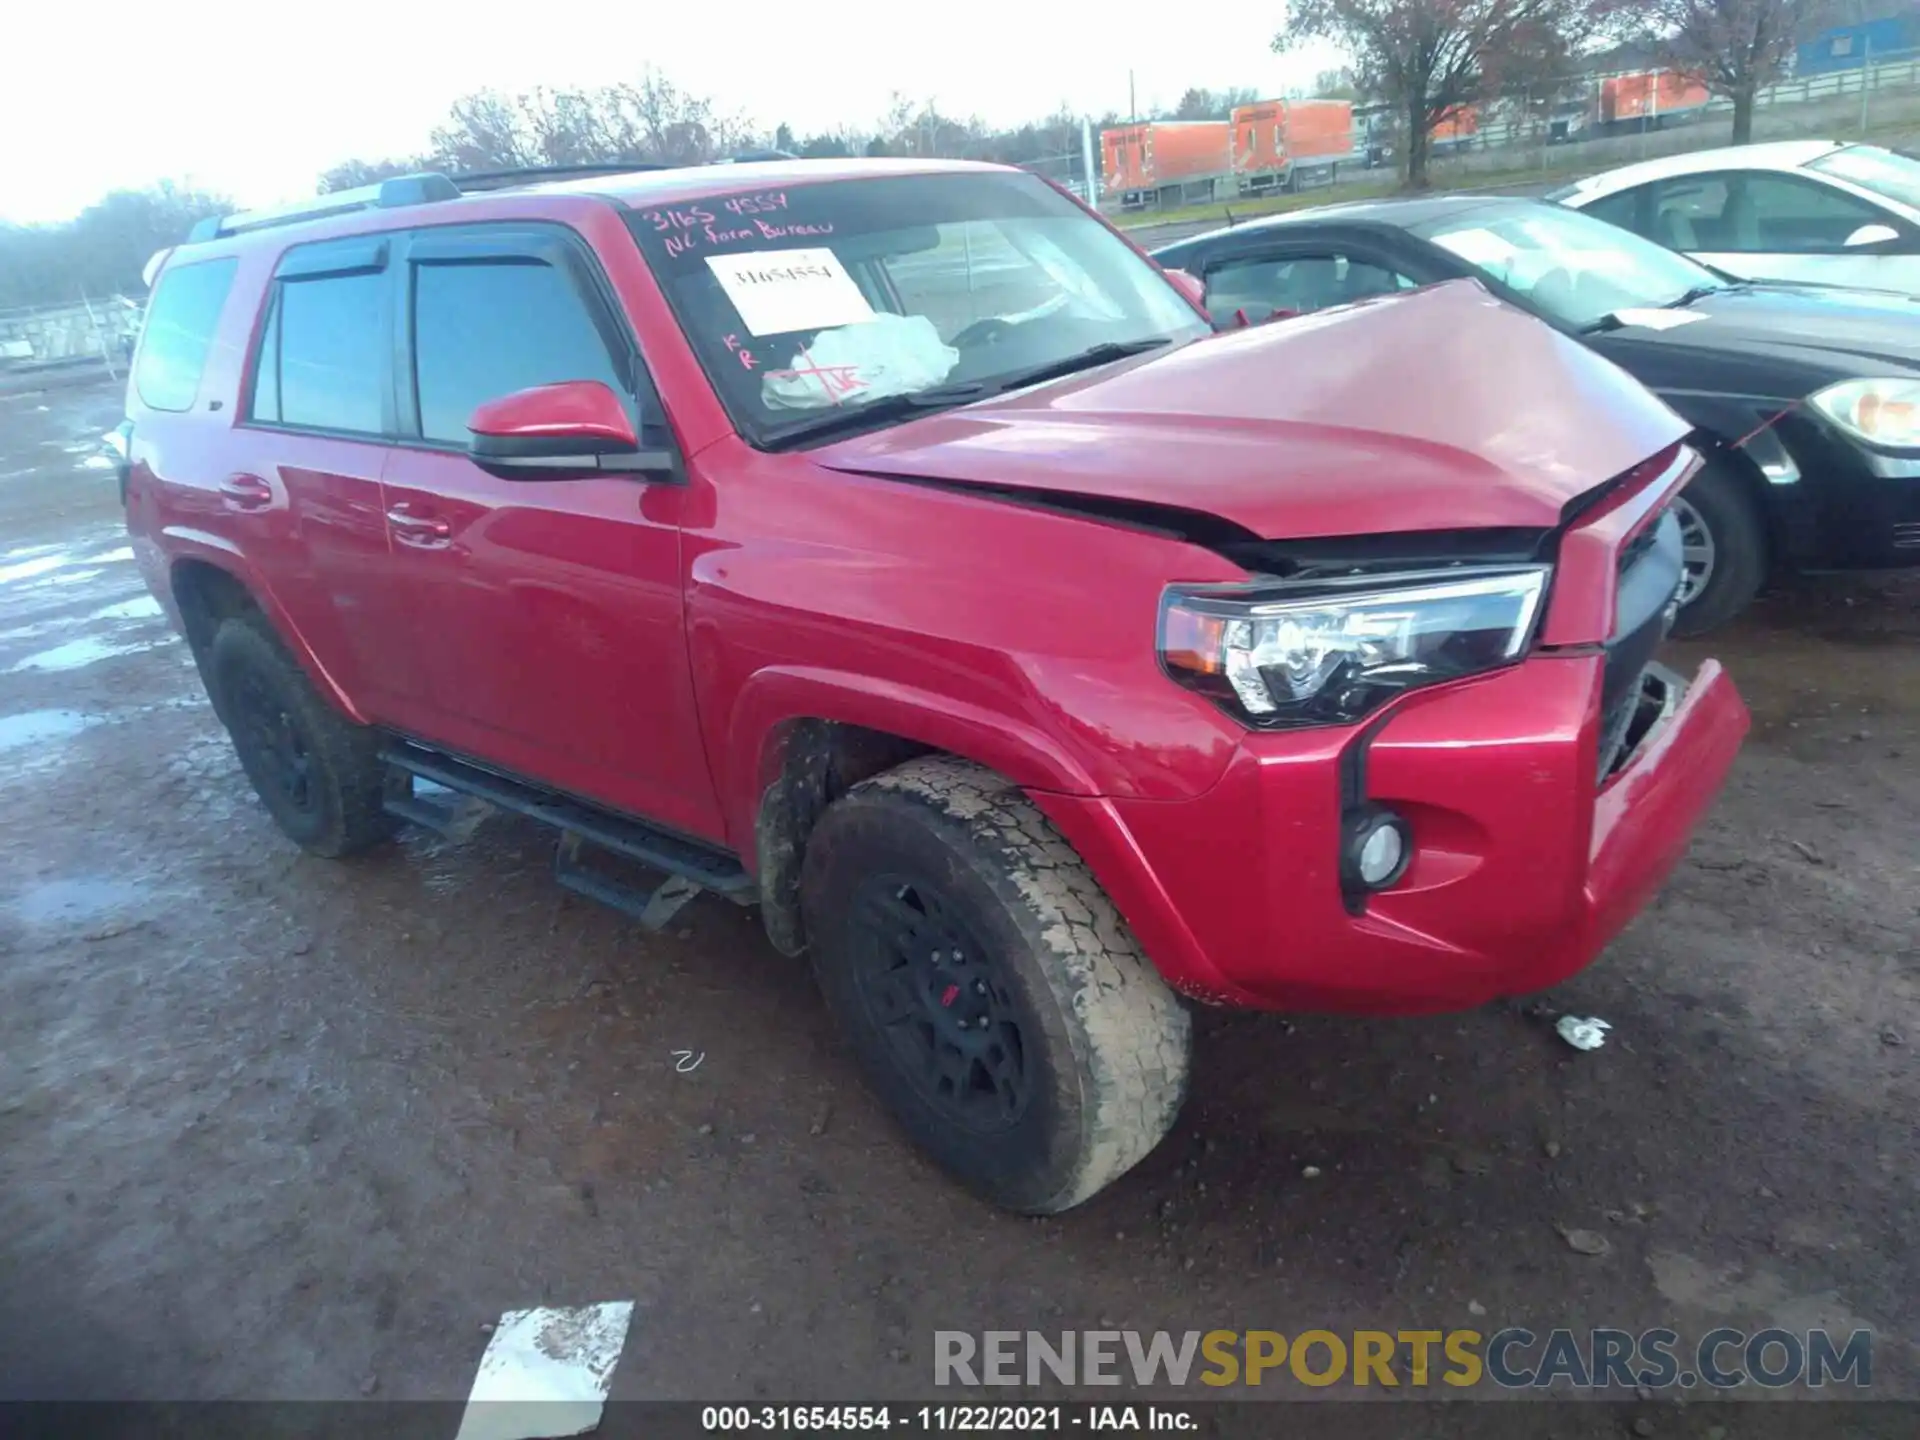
[1880, 412]
[1330, 652]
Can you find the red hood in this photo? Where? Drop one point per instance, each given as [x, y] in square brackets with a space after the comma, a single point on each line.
[1441, 409]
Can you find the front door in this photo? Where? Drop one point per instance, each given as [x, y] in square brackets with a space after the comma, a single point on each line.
[547, 614]
[1766, 226]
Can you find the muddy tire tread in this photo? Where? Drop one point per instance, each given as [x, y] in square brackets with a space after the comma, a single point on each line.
[1131, 1035]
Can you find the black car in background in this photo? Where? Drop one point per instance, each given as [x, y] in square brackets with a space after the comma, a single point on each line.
[1805, 399]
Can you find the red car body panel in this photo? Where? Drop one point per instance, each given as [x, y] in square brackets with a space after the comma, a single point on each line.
[648, 644]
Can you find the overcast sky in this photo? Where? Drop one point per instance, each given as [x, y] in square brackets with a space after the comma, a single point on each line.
[255, 98]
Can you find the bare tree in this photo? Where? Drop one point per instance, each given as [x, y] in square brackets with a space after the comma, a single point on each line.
[1334, 85]
[1202, 104]
[351, 174]
[646, 120]
[1431, 58]
[1733, 47]
[102, 250]
[484, 131]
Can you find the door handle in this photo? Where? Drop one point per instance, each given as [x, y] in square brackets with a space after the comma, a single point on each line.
[245, 492]
[424, 531]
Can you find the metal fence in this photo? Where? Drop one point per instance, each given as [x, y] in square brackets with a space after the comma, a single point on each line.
[54, 337]
[1516, 143]
[1879, 98]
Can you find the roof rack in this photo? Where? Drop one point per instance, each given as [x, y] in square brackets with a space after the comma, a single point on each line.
[539, 174]
[430, 187]
[423, 189]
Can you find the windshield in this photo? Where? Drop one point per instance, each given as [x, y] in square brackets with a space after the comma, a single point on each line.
[1574, 268]
[1884, 173]
[808, 303]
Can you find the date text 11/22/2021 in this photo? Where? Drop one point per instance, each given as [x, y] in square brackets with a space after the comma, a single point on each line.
[950, 1419]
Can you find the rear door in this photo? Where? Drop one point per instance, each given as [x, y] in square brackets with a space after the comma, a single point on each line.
[303, 487]
[547, 614]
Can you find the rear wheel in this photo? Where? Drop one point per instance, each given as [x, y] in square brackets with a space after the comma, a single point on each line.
[994, 999]
[1724, 550]
[318, 773]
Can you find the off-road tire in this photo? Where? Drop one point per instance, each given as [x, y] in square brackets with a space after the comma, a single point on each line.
[1104, 1042]
[345, 779]
[1740, 550]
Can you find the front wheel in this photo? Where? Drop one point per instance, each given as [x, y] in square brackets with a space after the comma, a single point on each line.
[1723, 550]
[994, 999]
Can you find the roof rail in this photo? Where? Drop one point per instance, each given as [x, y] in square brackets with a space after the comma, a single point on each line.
[423, 189]
[536, 174]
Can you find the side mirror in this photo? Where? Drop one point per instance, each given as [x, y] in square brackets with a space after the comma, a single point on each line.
[553, 431]
[1189, 285]
[1872, 235]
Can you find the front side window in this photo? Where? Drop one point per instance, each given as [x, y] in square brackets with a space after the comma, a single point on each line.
[484, 330]
[809, 303]
[178, 332]
[1573, 268]
[323, 356]
[1785, 215]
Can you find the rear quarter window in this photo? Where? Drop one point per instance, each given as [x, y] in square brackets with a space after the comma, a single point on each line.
[181, 319]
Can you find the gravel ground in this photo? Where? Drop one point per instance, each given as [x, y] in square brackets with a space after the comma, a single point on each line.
[276, 1127]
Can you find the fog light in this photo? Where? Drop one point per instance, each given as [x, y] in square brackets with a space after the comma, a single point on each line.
[1378, 845]
[1380, 854]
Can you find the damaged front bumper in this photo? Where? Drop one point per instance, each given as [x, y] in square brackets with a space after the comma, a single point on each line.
[1522, 869]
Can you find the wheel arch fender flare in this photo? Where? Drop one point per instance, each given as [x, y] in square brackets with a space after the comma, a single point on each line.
[208, 579]
[799, 737]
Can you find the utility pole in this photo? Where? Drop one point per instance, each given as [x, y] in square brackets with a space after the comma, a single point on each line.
[1866, 80]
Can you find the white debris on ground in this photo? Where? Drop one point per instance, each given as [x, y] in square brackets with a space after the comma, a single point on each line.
[1583, 1032]
[546, 1373]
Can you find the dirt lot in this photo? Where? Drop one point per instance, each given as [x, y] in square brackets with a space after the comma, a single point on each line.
[275, 1127]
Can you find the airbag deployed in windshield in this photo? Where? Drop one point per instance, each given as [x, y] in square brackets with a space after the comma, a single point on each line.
[882, 356]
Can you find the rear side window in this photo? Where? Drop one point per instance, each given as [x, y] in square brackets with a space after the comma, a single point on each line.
[180, 323]
[1622, 209]
[323, 358]
[486, 329]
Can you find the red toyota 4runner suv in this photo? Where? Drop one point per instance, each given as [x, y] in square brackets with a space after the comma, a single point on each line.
[893, 547]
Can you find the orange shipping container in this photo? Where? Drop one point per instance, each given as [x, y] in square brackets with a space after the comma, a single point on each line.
[1457, 124]
[1164, 152]
[1649, 93]
[1273, 135]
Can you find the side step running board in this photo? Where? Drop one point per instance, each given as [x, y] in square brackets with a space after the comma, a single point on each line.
[689, 865]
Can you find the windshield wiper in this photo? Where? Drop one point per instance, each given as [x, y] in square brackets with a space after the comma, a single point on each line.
[1612, 320]
[1102, 354]
[900, 407]
[874, 412]
[1698, 292]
